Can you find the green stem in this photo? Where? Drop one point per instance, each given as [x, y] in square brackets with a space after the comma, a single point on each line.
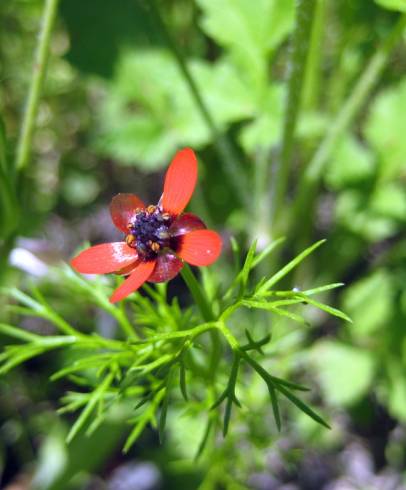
[207, 313]
[232, 166]
[311, 85]
[198, 294]
[260, 227]
[300, 43]
[37, 81]
[305, 199]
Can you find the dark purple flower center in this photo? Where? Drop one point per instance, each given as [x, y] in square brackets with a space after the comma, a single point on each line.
[149, 232]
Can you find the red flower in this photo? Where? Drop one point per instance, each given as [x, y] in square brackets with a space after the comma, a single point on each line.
[158, 238]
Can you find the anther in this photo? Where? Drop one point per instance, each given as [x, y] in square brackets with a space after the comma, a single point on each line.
[155, 246]
[151, 209]
[166, 216]
[130, 239]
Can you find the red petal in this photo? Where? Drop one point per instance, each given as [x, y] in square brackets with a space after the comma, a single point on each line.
[134, 281]
[200, 247]
[180, 182]
[166, 268]
[122, 209]
[127, 270]
[185, 223]
[104, 258]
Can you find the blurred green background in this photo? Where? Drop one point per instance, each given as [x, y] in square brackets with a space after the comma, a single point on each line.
[115, 108]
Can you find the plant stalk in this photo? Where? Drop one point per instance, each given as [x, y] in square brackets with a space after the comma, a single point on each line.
[300, 44]
[206, 310]
[39, 70]
[311, 87]
[231, 161]
[303, 206]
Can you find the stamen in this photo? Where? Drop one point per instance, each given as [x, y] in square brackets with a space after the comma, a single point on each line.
[149, 232]
[130, 239]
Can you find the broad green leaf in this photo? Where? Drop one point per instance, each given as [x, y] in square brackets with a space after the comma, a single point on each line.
[249, 30]
[385, 129]
[80, 189]
[146, 116]
[369, 302]
[389, 200]
[399, 5]
[264, 130]
[350, 164]
[345, 372]
[395, 390]
[353, 212]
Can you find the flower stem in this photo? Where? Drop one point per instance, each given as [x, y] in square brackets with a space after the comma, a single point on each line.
[207, 313]
[198, 294]
[232, 166]
[37, 81]
[302, 211]
[300, 43]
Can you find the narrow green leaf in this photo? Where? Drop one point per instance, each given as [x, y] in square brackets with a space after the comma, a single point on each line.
[182, 380]
[23, 355]
[275, 405]
[288, 267]
[235, 248]
[135, 433]
[147, 416]
[85, 414]
[255, 344]
[326, 308]
[204, 440]
[268, 306]
[321, 289]
[302, 406]
[90, 362]
[17, 333]
[243, 276]
[288, 384]
[162, 416]
[220, 399]
[227, 415]
[267, 251]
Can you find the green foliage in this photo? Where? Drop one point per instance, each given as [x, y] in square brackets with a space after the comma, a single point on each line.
[141, 367]
[369, 303]
[352, 164]
[345, 372]
[96, 45]
[114, 94]
[9, 210]
[250, 32]
[399, 5]
[384, 129]
[146, 116]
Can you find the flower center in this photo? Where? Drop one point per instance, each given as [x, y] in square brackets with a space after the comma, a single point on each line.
[149, 232]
